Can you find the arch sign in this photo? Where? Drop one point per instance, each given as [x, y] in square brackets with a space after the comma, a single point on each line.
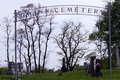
[63, 10]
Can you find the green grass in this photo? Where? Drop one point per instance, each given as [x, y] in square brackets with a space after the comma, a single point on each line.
[73, 75]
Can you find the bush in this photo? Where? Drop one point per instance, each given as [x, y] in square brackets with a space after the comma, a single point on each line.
[3, 70]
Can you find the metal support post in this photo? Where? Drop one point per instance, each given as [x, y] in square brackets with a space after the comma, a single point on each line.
[109, 16]
[15, 45]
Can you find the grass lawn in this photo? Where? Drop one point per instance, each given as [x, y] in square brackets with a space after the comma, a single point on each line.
[73, 75]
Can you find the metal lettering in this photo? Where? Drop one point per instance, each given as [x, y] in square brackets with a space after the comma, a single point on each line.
[39, 11]
[76, 9]
[46, 10]
[56, 10]
[95, 11]
[101, 11]
[22, 15]
[29, 13]
[70, 9]
[35, 13]
[51, 11]
[89, 10]
[83, 9]
[63, 9]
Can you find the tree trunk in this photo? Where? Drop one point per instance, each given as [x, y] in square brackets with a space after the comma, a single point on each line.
[39, 44]
[20, 49]
[34, 58]
[33, 51]
[28, 48]
[46, 46]
[101, 63]
[108, 57]
[44, 58]
[8, 50]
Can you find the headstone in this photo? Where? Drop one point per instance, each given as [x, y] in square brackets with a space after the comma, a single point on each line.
[86, 66]
[20, 68]
[50, 70]
[91, 67]
[117, 57]
[97, 72]
[97, 68]
[28, 70]
[64, 69]
[11, 68]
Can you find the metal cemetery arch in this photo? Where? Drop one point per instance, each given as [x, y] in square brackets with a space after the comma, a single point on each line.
[63, 10]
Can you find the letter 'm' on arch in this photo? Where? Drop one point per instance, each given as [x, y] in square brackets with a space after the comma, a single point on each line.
[69, 9]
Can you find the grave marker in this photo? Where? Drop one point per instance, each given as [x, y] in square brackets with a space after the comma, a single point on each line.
[64, 69]
[117, 57]
[91, 67]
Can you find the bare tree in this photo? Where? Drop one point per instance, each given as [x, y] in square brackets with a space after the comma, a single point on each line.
[70, 41]
[21, 46]
[47, 34]
[7, 26]
[20, 41]
[35, 30]
[40, 22]
[31, 28]
[28, 25]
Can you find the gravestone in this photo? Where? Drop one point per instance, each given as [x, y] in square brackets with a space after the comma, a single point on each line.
[28, 70]
[97, 72]
[64, 69]
[117, 57]
[86, 66]
[20, 68]
[50, 70]
[91, 66]
[11, 68]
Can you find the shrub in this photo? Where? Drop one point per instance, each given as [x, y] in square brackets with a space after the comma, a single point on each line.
[3, 70]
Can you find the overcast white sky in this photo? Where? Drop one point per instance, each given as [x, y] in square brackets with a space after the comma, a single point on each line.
[7, 8]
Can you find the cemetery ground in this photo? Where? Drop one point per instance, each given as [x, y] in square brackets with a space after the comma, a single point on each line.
[71, 75]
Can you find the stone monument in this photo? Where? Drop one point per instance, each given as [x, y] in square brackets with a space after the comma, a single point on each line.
[97, 72]
[28, 70]
[64, 69]
[94, 64]
[11, 68]
[91, 66]
[117, 57]
[86, 66]
[20, 68]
